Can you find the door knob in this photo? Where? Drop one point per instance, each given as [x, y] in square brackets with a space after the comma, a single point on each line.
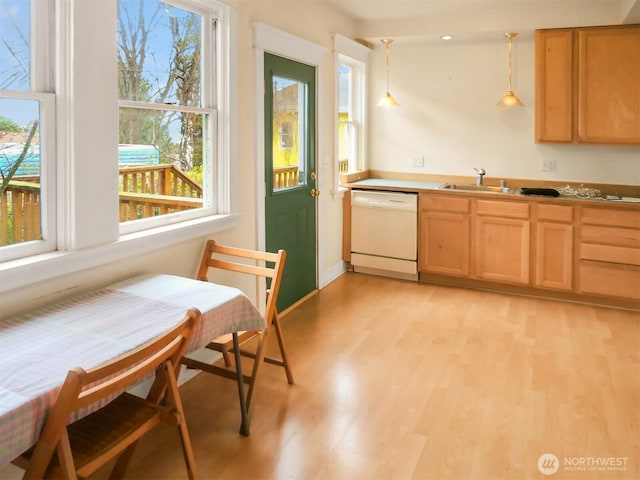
[315, 192]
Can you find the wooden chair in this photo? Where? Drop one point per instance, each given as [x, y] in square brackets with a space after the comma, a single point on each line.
[235, 259]
[80, 448]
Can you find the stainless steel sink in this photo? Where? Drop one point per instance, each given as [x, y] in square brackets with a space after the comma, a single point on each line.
[475, 188]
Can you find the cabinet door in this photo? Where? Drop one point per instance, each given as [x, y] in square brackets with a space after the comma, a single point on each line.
[502, 249]
[554, 85]
[444, 243]
[554, 255]
[608, 92]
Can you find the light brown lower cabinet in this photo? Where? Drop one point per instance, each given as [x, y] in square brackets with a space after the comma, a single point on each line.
[473, 238]
[610, 279]
[502, 241]
[444, 235]
[553, 247]
[609, 256]
[567, 250]
[554, 256]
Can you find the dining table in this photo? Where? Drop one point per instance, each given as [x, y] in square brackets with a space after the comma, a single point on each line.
[38, 347]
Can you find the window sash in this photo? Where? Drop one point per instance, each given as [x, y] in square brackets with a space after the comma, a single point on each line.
[41, 89]
[353, 55]
[48, 176]
[211, 30]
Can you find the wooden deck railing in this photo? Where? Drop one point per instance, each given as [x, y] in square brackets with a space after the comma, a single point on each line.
[145, 191]
[20, 213]
[158, 180]
[134, 206]
[285, 177]
[288, 176]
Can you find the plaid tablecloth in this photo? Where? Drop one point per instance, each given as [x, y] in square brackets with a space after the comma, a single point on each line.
[38, 348]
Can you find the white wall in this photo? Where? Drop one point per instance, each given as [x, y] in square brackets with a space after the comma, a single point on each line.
[448, 90]
[447, 114]
[313, 22]
[447, 93]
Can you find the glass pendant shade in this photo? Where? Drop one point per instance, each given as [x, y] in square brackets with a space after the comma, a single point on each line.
[387, 99]
[510, 99]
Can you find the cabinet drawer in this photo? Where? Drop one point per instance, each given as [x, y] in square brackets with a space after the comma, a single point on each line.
[556, 213]
[444, 204]
[610, 253]
[601, 278]
[626, 237]
[607, 216]
[503, 209]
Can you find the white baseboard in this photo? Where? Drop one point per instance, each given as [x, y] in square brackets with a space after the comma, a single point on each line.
[328, 276]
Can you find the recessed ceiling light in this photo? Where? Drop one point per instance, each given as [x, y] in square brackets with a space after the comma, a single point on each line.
[447, 37]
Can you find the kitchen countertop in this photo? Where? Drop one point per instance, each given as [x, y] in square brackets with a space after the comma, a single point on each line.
[390, 183]
[409, 185]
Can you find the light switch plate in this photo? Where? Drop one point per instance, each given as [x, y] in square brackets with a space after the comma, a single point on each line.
[547, 165]
[417, 162]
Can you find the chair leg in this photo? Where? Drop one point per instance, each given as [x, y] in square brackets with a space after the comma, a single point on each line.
[122, 463]
[66, 457]
[259, 359]
[283, 355]
[187, 449]
[244, 425]
[227, 358]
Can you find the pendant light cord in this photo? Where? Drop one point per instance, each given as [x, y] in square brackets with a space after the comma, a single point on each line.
[387, 64]
[510, 44]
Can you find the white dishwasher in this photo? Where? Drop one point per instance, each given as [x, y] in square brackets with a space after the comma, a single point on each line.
[384, 233]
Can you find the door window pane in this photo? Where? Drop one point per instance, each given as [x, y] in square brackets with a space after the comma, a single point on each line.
[289, 141]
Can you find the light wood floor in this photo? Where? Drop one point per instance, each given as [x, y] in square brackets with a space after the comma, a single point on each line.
[398, 380]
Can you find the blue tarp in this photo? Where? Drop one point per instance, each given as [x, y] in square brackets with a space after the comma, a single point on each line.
[129, 155]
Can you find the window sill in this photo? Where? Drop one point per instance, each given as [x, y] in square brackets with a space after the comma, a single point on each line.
[38, 268]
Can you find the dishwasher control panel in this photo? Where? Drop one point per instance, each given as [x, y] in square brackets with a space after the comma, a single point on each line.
[386, 200]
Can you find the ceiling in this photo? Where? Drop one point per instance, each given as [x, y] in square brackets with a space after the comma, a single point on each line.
[469, 20]
[375, 10]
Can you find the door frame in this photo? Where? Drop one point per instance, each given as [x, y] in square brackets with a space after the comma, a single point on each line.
[278, 42]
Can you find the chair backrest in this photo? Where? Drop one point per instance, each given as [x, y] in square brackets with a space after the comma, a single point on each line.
[232, 258]
[90, 389]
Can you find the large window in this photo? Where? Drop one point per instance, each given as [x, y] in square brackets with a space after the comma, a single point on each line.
[126, 147]
[351, 58]
[165, 53]
[27, 160]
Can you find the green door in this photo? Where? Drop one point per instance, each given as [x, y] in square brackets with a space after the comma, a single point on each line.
[290, 162]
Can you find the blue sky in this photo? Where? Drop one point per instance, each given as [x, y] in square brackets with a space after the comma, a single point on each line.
[14, 60]
[14, 52]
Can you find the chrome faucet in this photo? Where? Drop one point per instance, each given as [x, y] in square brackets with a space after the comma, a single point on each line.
[481, 174]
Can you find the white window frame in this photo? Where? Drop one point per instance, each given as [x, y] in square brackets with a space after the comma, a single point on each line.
[211, 37]
[86, 174]
[356, 56]
[41, 90]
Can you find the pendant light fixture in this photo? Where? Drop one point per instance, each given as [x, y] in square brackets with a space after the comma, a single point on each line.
[510, 99]
[387, 99]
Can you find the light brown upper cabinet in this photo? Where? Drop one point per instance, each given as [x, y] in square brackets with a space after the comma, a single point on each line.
[588, 85]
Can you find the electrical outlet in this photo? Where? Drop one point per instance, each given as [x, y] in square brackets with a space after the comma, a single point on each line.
[417, 162]
[547, 165]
